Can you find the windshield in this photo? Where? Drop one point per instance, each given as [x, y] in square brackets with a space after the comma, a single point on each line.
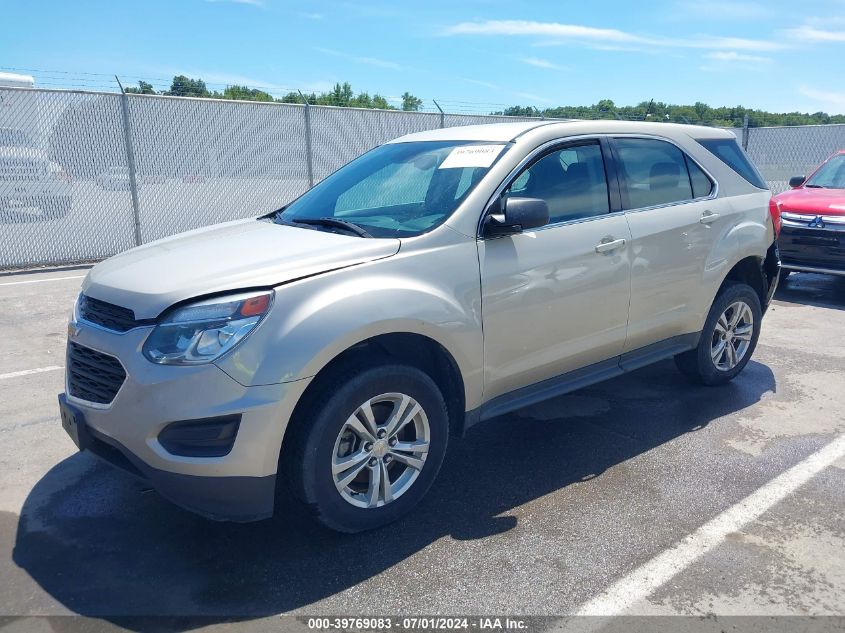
[396, 190]
[831, 175]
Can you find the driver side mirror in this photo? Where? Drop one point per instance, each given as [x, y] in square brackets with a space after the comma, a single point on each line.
[797, 181]
[515, 215]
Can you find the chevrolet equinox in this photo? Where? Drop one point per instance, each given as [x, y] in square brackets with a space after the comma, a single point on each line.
[439, 280]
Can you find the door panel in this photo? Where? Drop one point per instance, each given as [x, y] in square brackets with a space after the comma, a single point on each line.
[674, 227]
[670, 248]
[551, 303]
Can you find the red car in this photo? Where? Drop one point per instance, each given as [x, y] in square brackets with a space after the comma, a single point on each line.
[812, 237]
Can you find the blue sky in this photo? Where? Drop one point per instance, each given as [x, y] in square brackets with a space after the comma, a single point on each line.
[468, 54]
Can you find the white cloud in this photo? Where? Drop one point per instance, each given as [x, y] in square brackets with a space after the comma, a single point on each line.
[826, 97]
[539, 62]
[374, 61]
[311, 16]
[808, 33]
[532, 97]
[484, 84]
[525, 27]
[329, 51]
[369, 61]
[733, 56]
[723, 10]
[599, 36]
[254, 3]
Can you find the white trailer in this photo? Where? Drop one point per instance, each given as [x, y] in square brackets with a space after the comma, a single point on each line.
[13, 80]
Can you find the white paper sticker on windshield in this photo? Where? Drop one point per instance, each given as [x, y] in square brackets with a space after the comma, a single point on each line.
[471, 156]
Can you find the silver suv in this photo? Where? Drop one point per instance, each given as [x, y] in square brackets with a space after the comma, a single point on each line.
[437, 281]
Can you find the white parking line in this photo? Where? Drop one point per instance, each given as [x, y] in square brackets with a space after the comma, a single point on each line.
[38, 281]
[27, 372]
[642, 581]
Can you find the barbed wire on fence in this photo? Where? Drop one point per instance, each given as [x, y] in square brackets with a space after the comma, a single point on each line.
[62, 79]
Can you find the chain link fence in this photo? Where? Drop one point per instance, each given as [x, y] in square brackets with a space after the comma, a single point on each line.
[85, 175]
[57, 150]
[783, 152]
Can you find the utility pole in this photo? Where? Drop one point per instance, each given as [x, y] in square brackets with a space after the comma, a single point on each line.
[308, 157]
[442, 115]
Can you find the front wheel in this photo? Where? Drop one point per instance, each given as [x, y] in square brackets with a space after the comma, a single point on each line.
[728, 339]
[371, 450]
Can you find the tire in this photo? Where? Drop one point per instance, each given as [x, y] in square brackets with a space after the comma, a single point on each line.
[320, 442]
[699, 364]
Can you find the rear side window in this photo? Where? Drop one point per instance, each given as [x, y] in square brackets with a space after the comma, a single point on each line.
[654, 172]
[702, 186]
[729, 152]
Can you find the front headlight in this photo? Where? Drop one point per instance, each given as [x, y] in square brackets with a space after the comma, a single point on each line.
[202, 332]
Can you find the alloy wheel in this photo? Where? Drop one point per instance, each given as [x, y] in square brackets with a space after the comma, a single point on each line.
[732, 336]
[380, 450]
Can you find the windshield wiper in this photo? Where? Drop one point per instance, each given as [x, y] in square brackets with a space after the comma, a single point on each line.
[816, 186]
[335, 223]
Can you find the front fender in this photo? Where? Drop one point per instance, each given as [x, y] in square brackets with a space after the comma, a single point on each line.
[314, 320]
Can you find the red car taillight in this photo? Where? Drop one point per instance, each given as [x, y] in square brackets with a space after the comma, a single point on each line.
[774, 210]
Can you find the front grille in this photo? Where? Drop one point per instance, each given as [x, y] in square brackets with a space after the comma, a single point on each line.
[107, 315]
[92, 375]
[813, 221]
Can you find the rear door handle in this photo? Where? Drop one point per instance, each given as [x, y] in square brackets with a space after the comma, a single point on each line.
[708, 216]
[609, 244]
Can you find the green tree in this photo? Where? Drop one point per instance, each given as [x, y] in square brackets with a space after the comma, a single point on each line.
[143, 89]
[381, 103]
[341, 95]
[520, 111]
[410, 103]
[183, 86]
[245, 93]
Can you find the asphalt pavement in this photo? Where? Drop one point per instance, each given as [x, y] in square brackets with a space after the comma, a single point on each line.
[643, 495]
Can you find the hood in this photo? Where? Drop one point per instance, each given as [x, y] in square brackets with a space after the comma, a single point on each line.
[241, 254]
[812, 200]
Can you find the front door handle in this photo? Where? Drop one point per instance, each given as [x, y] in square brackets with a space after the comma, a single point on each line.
[708, 216]
[609, 244]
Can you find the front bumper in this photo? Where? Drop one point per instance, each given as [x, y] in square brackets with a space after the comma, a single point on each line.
[813, 249]
[238, 485]
[221, 498]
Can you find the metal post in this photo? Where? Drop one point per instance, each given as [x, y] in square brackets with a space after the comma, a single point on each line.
[130, 160]
[745, 133]
[308, 156]
[442, 115]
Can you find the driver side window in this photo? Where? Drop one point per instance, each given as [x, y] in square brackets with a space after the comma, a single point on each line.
[572, 181]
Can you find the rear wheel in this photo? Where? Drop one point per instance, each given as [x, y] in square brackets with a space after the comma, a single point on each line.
[372, 448]
[728, 339]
